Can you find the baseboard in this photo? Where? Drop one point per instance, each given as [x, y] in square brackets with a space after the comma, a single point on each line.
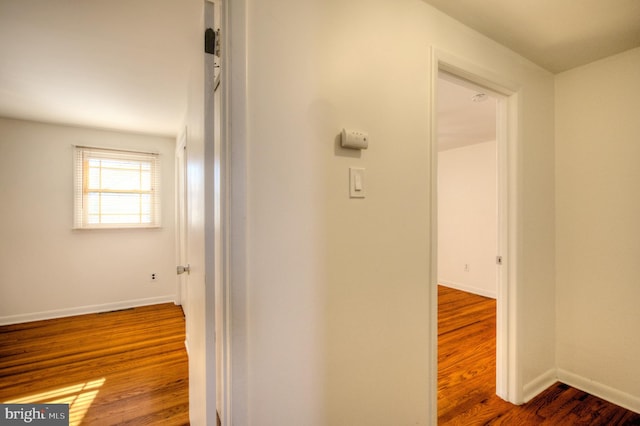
[623, 399]
[539, 384]
[80, 310]
[468, 288]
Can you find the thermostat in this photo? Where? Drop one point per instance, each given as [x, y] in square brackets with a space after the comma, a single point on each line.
[354, 139]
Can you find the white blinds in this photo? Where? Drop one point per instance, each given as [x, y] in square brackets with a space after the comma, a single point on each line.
[116, 189]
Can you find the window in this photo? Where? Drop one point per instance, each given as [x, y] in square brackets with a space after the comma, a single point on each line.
[116, 189]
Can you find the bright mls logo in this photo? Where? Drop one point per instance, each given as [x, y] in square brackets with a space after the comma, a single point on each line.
[36, 414]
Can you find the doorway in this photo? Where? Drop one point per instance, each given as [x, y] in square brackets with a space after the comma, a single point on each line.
[467, 202]
[508, 381]
[467, 187]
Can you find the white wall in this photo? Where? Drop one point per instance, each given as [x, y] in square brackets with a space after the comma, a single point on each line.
[337, 290]
[467, 218]
[598, 227]
[47, 269]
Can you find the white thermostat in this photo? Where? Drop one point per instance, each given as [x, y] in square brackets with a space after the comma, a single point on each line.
[354, 139]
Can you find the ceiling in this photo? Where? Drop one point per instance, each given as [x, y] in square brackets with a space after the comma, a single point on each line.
[119, 64]
[125, 64]
[461, 121]
[556, 34]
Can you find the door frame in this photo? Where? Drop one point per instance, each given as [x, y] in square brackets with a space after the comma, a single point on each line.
[181, 215]
[217, 100]
[508, 371]
[217, 134]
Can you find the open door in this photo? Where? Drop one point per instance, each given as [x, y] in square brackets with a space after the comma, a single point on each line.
[201, 164]
[201, 211]
[198, 203]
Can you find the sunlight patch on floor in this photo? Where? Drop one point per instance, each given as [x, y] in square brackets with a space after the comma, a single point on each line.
[79, 397]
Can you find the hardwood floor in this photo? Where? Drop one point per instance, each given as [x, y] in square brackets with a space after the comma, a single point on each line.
[466, 376]
[130, 367]
[121, 367]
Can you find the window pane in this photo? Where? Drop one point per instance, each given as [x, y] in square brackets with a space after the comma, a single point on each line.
[145, 203]
[120, 219]
[120, 204]
[120, 179]
[121, 164]
[145, 181]
[94, 178]
[93, 203]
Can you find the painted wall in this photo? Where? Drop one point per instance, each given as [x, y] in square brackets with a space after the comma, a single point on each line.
[47, 269]
[336, 290]
[467, 218]
[598, 231]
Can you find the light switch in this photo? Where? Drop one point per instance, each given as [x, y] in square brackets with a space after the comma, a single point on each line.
[356, 182]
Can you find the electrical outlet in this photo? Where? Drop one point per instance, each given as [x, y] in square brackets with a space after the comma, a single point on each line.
[466, 267]
[154, 277]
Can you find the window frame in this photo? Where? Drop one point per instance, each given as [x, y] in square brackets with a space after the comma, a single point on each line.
[83, 155]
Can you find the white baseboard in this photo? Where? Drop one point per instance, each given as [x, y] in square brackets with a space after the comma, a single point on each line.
[539, 384]
[623, 399]
[80, 310]
[468, 288]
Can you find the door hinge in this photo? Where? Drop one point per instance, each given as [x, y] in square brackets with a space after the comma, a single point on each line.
[498, 260]
[212, 41]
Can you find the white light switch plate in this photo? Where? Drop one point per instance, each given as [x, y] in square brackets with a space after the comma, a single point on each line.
[357, 187]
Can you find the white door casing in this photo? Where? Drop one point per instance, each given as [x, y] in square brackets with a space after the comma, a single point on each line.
[181, 219]
[508, 375]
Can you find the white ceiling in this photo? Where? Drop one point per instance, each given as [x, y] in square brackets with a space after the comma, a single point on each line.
[461, 121]
[124, 64]
[556, 34]
[118, 64]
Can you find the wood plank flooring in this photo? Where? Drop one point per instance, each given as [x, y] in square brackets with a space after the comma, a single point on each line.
[130, 367]
[466, 376]
[122, 367]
